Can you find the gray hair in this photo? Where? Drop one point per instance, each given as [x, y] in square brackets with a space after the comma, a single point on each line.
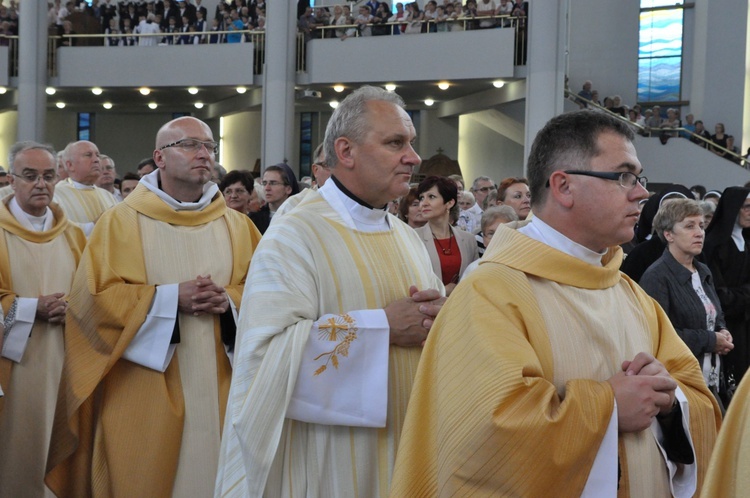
[494, 213]
[467, 195]
[102, 157]
[568, 141]
[674, 212]
[351, 120]
[19, 147]
[708, 207]
[475, 185]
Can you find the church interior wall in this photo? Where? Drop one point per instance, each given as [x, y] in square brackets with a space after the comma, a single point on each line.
[482, 151]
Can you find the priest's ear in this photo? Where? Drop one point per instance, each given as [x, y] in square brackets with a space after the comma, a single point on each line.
[344, 152]
[559, 189]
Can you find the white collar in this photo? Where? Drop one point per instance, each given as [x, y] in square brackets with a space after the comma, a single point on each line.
[542, 232]
[737, 237]
[80, 186]
[31, 222]
[151, 182]
[355, 215]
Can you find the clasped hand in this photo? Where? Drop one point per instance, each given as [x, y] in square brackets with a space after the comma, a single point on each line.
[643, 390]
[52, 308]
[410, 318]
[202, 295]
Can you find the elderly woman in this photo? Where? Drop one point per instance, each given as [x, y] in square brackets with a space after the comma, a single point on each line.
[450, 249]
[239, 192]
[514, 192]
[727, 253]
[492, 218]
[684, 286]
[409, 211]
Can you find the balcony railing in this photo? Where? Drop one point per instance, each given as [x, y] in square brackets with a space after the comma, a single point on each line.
[668, 132]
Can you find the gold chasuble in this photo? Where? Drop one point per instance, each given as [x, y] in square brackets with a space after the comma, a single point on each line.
[122, 429]
[42, 263]
[83, 205]
[511, 397]
[728, 475]
[309, 264]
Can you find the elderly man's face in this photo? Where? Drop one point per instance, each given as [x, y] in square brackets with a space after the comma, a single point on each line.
[34, 185]
[606, 212]
[107, 179]
[84, 165]
[482, 190]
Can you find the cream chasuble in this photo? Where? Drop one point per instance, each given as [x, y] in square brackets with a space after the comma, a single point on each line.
[42, 263]
[309, 264]
[534, 333]
[82, 205]
[202, 250]
[122, 429]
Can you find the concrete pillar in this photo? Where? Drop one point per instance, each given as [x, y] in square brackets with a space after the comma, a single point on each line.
[545, 81]
[32, 70]
[278, 85]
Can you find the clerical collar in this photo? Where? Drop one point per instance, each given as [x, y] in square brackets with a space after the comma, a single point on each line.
[354, 215]
[353, 197]
[30, 222]
[542, 232]
[80, 186]
[151, 182]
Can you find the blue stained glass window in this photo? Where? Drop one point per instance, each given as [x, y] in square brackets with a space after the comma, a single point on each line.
[660, 51]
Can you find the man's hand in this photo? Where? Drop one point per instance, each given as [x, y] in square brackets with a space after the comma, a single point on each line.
[640, 398]
[51, 308]
[724, 343]
[201, 296]
[410, 318]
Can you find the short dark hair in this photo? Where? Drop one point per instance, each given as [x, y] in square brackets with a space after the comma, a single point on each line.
[403, 206]
[131, 176]
[568, 141]
[445, 186]
[238, 175]
[149, 161]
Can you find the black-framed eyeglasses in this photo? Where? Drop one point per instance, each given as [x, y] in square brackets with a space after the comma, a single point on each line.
[625, 178]
[32, 178]
[193, 145]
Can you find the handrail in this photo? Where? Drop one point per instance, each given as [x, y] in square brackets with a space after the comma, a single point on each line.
[464, 20]
[648, 131]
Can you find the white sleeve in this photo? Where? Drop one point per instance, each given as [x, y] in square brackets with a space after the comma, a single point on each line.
[15, 342]
[602, 480]
[151, 345]
[349, 352]
[683, 479]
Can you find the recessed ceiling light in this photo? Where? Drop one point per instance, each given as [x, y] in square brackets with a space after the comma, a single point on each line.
[198, 105]
[107, 105]
[390, 87]
[334, 104]
[50, 90]
[498, 83]
[152, 105]
[444, 85]
[338, 88]
[144, 90]
[241, 89]
[428, 102]
[3, 90]
[60, 105]
[192, 90]
[96, 90]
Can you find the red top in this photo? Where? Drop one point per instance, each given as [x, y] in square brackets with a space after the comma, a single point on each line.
[450, 264]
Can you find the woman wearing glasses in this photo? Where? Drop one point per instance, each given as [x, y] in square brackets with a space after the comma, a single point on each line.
[684, 287]
[451, 250]
[239, 192]
[727, 252]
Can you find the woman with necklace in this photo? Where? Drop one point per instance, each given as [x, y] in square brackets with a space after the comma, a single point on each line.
[451, 250]
[684, 287]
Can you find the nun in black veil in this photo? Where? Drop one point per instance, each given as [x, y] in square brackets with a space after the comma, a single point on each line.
[727, 253]
[650, 247]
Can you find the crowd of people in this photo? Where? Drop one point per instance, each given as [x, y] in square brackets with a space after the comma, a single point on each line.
[218, 334]
[375, 18]
[180, 22]
[658, 122]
